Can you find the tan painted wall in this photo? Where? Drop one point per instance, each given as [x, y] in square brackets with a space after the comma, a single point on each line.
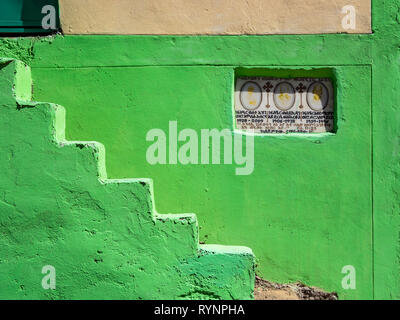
[210, 16]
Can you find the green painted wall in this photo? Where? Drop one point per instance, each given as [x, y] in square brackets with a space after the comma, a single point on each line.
[313, 204]
[299, 210]
[102, 236]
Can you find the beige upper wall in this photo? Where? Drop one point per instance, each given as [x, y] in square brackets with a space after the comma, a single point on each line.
[211, 16]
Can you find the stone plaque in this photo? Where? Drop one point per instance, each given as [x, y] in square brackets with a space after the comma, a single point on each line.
[273, 105]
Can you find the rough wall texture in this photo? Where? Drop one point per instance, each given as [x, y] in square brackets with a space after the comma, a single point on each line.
[356, 201]
[306, 205]
[103, 237]
[210, 16]
[386, 152]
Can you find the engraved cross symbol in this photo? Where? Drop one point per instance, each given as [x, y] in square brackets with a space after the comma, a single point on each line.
[268, 86]
[300, 89]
